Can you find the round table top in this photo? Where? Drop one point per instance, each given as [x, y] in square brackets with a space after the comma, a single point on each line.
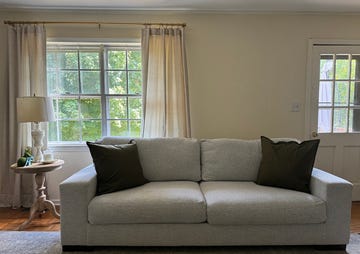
[38, 167]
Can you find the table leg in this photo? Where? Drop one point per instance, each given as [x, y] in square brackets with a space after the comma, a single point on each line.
[41, 203]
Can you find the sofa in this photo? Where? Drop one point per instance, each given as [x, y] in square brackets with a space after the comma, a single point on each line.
[203, 193]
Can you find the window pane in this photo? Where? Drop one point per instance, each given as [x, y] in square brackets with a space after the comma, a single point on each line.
[340, 120]
[69, 130]
[52, 82]
[135, 108]
[324, 120]
[135, 127]
[117, 108]
[90, 82]
[89, 60]
[135, 82]
[342, 66]
[91, 130]
[325, 93]
[355, 67]
[341, 93]
[326, 67]
[51, 62]
[68, 109]
[118, 128]
[68, 60]
[69, 82]
[134, 60]
[52, 136]
[116, 60]
[55, 108]
[116, 81]
[90, 108]
[355, 94]
[354, 120]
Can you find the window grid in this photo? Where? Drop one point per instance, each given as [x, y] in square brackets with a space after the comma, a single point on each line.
[104, 94]
[351, 78]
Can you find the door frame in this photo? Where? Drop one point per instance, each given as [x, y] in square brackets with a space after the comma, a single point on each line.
[311, 89]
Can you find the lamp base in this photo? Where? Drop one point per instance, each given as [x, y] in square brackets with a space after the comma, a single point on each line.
[37, 136]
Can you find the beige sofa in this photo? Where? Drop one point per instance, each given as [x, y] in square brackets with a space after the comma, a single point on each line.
[202, 193]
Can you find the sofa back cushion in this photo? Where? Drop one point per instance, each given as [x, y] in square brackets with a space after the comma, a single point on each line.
[230, 159]
[166, 159]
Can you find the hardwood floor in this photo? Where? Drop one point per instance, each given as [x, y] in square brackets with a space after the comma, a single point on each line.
[355, 217]
[10, 219]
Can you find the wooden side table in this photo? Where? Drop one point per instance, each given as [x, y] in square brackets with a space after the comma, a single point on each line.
[41, 203]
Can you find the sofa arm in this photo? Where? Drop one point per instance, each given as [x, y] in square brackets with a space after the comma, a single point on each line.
[337, 193]
[75, 195]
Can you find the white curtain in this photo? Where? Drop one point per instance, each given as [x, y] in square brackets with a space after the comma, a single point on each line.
[27, 76]
[165, 84]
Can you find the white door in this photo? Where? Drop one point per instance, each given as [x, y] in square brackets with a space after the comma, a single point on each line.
[335, 110]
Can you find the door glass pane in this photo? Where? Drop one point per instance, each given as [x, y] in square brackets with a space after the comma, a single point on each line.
[354, 120]
[340, 120]
[324, 120]
[355, 67]
[355, 94]
[342, 67]
[326, 67]
[341, 93]
[325, 93]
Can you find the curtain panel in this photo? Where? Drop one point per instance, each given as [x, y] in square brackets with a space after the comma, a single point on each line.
[26, 77]
[165, 83]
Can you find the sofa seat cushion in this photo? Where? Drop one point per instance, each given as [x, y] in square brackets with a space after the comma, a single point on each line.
[246, 203]
[154, 202]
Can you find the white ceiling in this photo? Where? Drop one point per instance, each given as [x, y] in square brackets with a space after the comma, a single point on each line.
[193, 5]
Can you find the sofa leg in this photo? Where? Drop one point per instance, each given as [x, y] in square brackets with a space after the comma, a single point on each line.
[76, 248]
[331, 247]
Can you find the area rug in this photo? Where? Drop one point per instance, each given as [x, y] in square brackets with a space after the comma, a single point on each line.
[49, 243]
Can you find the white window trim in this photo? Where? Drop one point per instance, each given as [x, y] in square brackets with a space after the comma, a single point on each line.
[77, 146]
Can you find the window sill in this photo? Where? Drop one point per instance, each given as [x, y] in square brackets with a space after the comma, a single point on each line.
[71, 147]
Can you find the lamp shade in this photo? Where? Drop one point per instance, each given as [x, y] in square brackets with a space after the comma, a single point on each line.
[34, 109]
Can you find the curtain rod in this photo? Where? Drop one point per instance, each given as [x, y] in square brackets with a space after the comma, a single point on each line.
[8, 22]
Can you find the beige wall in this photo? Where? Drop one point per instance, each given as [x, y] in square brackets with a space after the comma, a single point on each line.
[245, 70]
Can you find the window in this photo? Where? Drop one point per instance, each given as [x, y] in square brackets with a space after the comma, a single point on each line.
[96, 91]
[339, 93]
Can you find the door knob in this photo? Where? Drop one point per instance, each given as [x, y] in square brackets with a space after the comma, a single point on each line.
[314, 134]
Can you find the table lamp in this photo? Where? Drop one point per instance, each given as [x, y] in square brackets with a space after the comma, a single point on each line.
[35, 109]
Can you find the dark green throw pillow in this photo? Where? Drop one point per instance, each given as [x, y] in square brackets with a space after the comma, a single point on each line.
[117, 166]
[287, 164]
